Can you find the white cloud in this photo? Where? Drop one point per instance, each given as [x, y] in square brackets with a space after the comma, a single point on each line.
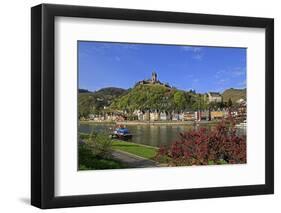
[231, 72]
[198, 56]
[192, 49]
[197, 52]
[238, 71]
[223, 81]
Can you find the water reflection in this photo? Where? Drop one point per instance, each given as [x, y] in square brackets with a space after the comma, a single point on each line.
[153, 135]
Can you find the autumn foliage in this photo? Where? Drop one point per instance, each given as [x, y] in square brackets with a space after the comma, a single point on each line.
[218, 145]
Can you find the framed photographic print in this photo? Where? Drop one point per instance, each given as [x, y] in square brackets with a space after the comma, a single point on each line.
[139, 106]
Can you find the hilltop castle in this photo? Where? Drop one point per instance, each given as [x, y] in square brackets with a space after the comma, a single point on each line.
[153, 80]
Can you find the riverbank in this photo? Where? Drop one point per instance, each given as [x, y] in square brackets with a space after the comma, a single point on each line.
[150, 122]
[140, 150]
[123, 154]
[95, 122]
[133, 161]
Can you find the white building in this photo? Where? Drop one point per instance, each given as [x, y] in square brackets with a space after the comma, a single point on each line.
[214, 97]
[163, 116]
[154, 116]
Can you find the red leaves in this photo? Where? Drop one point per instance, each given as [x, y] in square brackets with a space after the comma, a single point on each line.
[219, 145]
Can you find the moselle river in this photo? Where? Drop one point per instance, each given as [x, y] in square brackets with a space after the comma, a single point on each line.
[152, 135]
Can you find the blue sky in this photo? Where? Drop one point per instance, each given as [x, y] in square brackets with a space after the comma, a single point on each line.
[204, 69]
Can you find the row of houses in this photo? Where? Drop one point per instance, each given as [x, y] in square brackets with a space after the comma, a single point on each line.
[139, 115]
[188, 116]
[162, 116]
[239, 112]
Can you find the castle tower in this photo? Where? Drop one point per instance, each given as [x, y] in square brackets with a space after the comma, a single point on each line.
[154, 77]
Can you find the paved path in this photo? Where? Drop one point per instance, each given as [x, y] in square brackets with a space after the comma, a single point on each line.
[133, 161]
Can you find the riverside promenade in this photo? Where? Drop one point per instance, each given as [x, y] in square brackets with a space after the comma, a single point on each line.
[133, 161]
[150, 122]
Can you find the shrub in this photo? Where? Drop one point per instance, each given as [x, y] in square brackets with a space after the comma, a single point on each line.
[83, 136]
[95, 152]
[205, 147]
[100, 144]
[88, 161]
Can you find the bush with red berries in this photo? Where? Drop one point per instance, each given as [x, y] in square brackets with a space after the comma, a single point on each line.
[219, 145]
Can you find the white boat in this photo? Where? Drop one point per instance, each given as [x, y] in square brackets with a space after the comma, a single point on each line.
[242, 125]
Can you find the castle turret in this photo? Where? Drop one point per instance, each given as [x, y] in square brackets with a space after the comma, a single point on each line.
[154, 77]
[153, 80]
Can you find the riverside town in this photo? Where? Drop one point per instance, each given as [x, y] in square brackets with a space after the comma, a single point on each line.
[209, 106]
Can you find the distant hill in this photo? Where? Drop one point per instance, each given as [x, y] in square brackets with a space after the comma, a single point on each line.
[234, 94]
[110, 91]
[83, 91]
[90, 102]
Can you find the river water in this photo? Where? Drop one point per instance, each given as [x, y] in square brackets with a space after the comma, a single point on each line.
[152, 135]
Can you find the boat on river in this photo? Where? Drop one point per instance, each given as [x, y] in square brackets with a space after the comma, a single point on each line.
[242, 125]
[121, 133]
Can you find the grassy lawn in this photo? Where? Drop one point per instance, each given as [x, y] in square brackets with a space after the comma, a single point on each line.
[95, 122]
[133, 148]
[136, 149]
[93, 163]
[88, 161]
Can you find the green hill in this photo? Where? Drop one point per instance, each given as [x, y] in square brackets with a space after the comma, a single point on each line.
[234, 94]
[83, 91]
[110, 92]
[154, 97]
[146, 97]
[93, 102]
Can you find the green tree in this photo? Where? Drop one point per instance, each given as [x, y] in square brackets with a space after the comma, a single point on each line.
[229, 103]
[155, 97]
[180, 101]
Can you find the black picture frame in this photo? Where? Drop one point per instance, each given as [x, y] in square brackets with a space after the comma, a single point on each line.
[43, 111]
